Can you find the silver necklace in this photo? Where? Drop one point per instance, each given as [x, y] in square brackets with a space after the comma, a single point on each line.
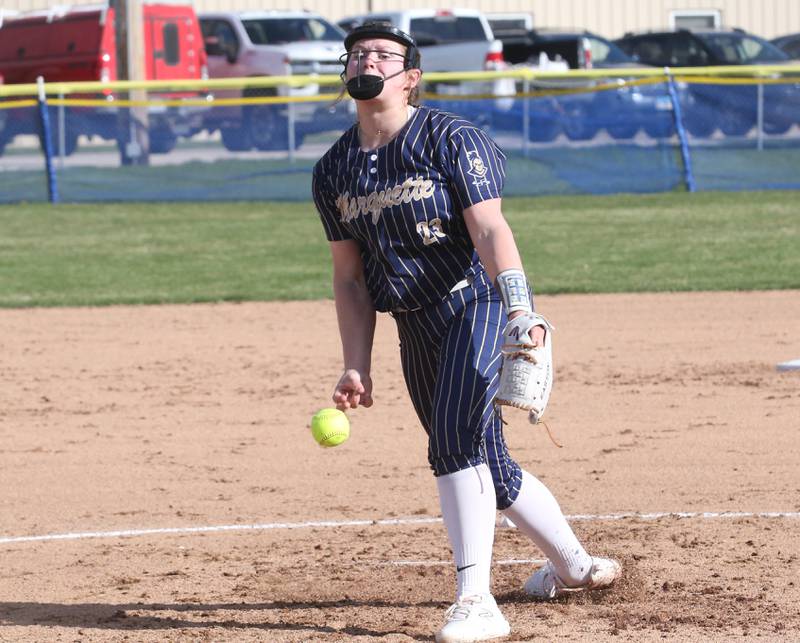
[379, 132]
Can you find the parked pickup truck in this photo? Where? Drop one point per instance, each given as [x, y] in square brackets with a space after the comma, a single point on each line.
[78, 44]
[4, 138]
[450, 40]
[272, 43]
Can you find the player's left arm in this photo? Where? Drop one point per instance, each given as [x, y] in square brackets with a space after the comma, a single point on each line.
[492, 237]
[494, 241]
[526, 370]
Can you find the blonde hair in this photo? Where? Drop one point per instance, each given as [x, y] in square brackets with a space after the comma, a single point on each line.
[414, 96]
[414, 93]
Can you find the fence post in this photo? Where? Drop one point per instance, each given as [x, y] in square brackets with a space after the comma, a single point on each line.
[688, 174]
[526, 126]
[62, 132]
[47, 142]
[290, 123]
[760, 117]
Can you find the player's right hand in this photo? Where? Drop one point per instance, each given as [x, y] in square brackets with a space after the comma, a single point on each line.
[537, 333]
[352, 389]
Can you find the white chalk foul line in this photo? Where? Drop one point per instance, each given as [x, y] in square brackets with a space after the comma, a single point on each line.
[127, 533]
[687, 514]
[217, 528]
[536, 562]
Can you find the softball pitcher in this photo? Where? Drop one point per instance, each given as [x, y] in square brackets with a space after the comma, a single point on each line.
[410, 199]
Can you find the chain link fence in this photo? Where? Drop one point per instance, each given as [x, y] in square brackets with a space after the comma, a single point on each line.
[638, 130]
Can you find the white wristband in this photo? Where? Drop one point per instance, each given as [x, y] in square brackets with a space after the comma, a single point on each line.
[513, 287]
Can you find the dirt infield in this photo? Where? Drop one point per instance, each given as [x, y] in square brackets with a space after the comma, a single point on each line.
[177, 417]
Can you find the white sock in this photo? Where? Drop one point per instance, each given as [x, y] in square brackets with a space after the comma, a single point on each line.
[536, 513]
[469, 508]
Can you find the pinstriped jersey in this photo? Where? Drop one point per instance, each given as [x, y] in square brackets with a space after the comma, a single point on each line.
[403, 204]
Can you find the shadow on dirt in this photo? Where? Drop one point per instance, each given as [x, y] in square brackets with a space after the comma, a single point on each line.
[146, 616]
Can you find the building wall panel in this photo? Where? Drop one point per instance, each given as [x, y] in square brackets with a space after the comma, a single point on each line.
[612, 18]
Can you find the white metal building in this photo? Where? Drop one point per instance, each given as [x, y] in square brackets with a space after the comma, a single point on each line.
[611, 18]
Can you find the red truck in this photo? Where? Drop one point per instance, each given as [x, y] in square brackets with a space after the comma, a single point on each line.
[3, 116]
[78, 44]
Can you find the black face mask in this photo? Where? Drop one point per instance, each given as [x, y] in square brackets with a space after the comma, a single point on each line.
[367, 86]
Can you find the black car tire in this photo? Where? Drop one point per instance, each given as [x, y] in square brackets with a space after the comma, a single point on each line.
[734, 123]
[70, 141]
[265, 126]
[700, 123]
[623, 131]
[542, 130]
[660, 128]
[777, 124]
[577, 125]
[162, 140]
[236, 139]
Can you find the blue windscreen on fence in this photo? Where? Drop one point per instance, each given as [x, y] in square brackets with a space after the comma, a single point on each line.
[23, 175]
[618, 137]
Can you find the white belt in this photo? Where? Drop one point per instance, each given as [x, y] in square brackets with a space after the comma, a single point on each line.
[461, 284]
[467, 281]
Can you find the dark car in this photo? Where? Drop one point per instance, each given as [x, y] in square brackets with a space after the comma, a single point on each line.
[734, 108]
[789, 44]
[579, 49]
[700, 48]
[622, 109]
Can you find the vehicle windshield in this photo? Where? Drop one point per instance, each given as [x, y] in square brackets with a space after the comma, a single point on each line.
[738, 49]
[275, 31]
[607, 53]
[443, 29]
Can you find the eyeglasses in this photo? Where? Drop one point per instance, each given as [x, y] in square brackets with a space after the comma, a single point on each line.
[359, 57]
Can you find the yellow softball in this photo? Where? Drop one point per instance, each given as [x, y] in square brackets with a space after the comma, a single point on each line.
[330, 427]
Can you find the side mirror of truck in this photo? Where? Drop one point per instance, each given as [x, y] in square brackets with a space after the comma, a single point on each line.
[213, 46]
[231, 52]
[217, 47]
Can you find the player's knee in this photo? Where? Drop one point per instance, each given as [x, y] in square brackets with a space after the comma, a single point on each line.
[507, 482]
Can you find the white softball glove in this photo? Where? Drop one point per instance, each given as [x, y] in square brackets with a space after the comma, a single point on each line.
[526, 373]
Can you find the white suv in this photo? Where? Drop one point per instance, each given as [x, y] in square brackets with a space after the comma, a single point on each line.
[449, 40]
[270, 43]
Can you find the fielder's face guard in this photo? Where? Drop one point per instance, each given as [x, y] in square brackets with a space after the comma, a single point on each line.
[384, 30]
[362, 84]
[355, 62]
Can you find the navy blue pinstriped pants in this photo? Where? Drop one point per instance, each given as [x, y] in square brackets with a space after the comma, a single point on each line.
[450, 353]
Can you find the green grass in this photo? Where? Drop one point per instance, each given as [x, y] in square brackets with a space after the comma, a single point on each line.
[664, 242]
[102, 254]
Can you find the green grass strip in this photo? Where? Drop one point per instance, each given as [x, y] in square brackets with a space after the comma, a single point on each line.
[132, 253]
